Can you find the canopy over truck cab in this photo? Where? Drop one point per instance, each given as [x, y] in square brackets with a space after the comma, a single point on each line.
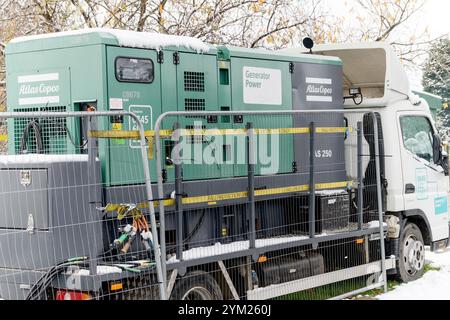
[373, 67]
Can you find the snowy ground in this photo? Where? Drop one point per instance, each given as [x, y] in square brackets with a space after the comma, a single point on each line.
[434, 285]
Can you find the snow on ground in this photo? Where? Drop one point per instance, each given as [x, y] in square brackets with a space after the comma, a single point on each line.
[434, 285]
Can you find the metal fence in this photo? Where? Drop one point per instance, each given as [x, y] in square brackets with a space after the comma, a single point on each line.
[59, 238]
[243, 205]
[302, 226]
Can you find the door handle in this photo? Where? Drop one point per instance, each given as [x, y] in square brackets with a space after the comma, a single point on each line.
[410, 188]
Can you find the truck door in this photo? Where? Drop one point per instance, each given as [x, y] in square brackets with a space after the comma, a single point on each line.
[425, 184]
[133, 85]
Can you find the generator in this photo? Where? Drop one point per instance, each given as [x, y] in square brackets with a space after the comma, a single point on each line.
[109, 70]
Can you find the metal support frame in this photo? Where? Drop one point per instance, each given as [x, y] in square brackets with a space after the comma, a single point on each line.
[366, 248]
[226, 275]
[314, 242]
[319, 280]
[248, 272]
[93, 182]
[171, 284]
[379, 199]
[178, 197]
[312, 182]
[255, 113]
[251, 183]
[360, 175]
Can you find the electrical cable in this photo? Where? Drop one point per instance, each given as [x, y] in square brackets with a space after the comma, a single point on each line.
[38, 136]
[197, 227]
[43, 283]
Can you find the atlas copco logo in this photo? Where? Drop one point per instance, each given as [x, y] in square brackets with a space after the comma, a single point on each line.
[326, 91]
[27, 89]
[319, 89]
[40, 88]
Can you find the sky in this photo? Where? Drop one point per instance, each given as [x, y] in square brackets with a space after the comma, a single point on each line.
[434, 15]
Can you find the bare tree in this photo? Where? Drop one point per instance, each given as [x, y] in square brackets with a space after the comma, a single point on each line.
[249, 23]
[393, 21]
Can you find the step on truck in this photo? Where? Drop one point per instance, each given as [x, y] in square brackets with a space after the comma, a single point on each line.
[148, 166]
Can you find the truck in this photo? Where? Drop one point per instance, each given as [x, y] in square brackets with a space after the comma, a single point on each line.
[352, 185]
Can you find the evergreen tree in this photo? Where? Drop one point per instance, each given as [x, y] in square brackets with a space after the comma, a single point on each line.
[436, 73]
[436, 80]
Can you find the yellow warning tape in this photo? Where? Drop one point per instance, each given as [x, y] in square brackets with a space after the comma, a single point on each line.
[127, 134]
[334, 129]
[3, 137]
[213, 198]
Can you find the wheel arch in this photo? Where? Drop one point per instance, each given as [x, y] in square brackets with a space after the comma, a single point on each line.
[419, 218]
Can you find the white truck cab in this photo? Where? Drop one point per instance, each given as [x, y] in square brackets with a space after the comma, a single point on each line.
[415, 176]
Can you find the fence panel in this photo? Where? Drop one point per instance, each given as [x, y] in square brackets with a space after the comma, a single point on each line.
[67, 230]
[245, 205]
[275, 197]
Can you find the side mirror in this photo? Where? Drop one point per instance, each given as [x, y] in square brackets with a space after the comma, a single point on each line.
[437, 151]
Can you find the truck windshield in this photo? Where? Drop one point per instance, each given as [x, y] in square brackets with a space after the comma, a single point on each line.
[418, 136]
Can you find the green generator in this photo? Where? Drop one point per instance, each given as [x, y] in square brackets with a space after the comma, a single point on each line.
[150, 74]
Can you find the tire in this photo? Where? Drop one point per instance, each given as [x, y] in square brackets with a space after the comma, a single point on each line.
[411, 261]
[196, 285]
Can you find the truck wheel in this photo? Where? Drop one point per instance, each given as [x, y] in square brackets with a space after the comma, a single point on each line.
[411, 260]
[197, 285]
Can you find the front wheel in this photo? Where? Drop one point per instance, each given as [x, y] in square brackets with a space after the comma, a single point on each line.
[197, 285]
[411, 260]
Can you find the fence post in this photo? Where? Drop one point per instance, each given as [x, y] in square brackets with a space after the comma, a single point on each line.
[251, 181]
[162, 223]
[360, 175]
[312, 182]
[379, 200]
[93, 181]
[178, 196]
[148, 187]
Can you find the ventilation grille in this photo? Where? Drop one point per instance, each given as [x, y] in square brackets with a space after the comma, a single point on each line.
[194, 81]
[194, 105]
[53, 132]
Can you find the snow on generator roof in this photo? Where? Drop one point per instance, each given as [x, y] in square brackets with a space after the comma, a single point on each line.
[134, 39]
